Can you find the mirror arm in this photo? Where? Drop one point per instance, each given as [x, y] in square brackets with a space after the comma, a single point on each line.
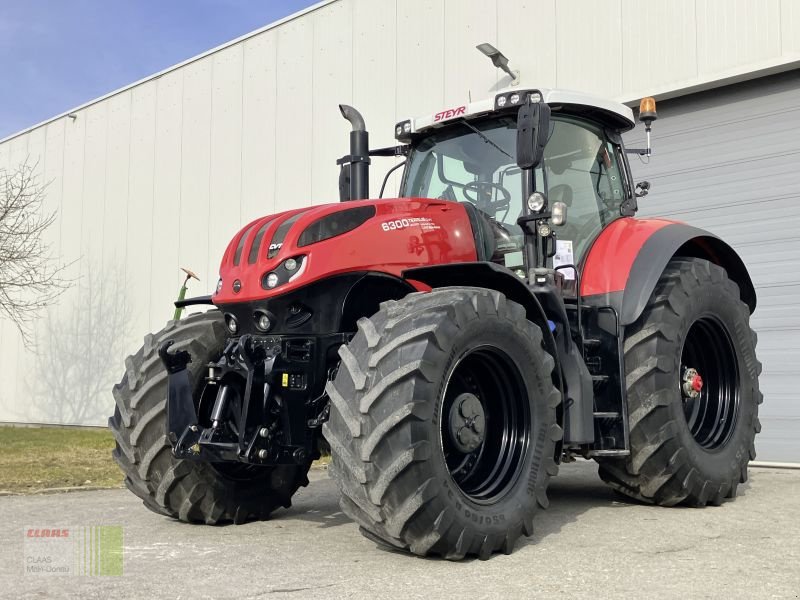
[401, 150]
[388, 173]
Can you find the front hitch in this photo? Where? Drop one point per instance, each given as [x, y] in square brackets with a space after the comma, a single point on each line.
[256, 416]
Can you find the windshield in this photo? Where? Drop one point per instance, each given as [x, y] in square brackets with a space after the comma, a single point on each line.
[475, 163]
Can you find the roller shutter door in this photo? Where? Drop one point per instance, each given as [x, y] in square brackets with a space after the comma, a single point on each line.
[728, 160]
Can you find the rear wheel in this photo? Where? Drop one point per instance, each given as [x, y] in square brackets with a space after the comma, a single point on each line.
[187, 490]
[692, 379]
[443, 423]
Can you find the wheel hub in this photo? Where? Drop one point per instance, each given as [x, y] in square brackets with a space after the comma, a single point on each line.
[692, 384]
[467, 423]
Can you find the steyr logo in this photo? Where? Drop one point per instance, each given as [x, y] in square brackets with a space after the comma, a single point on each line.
[449, 113]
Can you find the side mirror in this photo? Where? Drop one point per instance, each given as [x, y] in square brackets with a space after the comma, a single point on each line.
[533, 127]
[642, 189]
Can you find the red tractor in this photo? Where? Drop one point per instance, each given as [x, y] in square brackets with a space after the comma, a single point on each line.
[450, 347]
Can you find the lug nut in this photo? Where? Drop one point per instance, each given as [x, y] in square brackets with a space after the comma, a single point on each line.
[263, 432]
[262, 454]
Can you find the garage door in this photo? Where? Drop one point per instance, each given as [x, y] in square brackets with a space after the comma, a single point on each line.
[728, 161]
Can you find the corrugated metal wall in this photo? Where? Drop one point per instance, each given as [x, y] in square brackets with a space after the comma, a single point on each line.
[161, 174]
[727, 161]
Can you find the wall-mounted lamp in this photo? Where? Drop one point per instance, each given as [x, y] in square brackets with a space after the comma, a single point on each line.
[499, 60]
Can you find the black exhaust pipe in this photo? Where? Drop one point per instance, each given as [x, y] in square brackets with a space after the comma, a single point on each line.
[354, 173]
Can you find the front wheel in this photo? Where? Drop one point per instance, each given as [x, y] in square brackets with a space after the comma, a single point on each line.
[184, 489]
[692, 381]
[443, 423]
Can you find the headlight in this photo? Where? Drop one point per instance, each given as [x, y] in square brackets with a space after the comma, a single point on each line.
[536, 202]
[271, 280]
[544, 230]
[233, 326]
[262, 321]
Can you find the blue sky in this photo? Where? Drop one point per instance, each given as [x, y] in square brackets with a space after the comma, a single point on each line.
[58, 54]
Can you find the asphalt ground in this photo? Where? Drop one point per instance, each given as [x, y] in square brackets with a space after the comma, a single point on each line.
[589, 544]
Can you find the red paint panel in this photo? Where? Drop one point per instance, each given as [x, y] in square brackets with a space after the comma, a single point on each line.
[404, 233]
[612, 255]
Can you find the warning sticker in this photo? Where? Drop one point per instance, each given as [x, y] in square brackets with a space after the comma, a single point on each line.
[564, 256]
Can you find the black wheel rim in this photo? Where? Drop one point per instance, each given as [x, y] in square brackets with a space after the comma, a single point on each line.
[488, 471]
[711, 413]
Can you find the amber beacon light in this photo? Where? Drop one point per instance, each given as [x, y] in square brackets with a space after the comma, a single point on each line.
[647, 114]
[647, 111]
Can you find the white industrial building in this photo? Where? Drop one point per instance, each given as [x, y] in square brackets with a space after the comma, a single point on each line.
[160, 174]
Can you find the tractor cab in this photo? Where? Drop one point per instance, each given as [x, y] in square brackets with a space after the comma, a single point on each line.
[580, 184]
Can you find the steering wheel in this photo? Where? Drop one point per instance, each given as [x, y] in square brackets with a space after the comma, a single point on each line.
[485, 188]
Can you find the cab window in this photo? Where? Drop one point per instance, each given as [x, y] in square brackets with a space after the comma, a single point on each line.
[461, 164]
[582, 169]
[475, 162]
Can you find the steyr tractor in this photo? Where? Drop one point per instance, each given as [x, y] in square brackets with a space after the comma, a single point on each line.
[452, 346]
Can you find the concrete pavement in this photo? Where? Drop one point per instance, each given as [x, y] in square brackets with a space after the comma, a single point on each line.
[589, 544]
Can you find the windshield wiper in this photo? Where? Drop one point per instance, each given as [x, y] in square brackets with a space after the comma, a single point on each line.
[486, 139]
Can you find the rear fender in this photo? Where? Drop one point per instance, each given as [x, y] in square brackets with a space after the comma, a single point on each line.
[628, 258]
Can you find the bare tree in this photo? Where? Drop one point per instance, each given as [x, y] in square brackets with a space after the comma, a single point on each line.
[30, 278]
[80, 349]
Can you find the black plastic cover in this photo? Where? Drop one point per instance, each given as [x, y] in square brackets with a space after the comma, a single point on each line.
[335, 224]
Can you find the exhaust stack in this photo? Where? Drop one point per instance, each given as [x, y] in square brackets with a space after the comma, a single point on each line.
[354, 173]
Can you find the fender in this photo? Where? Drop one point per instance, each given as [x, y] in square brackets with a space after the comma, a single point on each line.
[627, 259]
[487, 275]
[496, 277]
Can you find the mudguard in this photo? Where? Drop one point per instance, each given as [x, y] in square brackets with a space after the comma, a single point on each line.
[577, 412]
[488, 275]
[625, 262]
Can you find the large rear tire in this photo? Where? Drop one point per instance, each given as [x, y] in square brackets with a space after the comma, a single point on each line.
[443, 423]
[689, 444]
[184, 489]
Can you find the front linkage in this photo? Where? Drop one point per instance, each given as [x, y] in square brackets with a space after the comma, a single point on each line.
[262, 402]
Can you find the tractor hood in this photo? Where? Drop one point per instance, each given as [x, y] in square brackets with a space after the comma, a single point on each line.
[279, 253]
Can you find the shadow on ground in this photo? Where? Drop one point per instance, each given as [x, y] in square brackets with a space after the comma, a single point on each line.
[576, 490]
